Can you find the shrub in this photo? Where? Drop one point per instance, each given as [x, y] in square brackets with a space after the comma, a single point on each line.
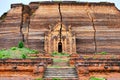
[24, 56]
[20, 44]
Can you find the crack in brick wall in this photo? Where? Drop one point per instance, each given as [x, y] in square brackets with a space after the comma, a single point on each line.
[60, 22]
[21, 25]
[92, 20]
[94, 34]
[25, 22]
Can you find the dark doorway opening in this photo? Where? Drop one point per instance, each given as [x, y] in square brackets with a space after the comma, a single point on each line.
[60, 47]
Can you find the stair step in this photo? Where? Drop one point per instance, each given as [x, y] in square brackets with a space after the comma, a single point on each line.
[60, 72]
[63, 73]
[62, 76]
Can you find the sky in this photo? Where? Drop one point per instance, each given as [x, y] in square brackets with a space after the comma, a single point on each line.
[5, 4]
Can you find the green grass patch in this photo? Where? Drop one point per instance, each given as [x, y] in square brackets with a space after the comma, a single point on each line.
[59, 54]
[19, 52]
[95, 78]
[103, 53]
[60, 60]
[15, 52]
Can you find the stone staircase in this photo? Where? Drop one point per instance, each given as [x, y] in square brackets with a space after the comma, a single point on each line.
[61, 73]
[60, 70]
[61, 64]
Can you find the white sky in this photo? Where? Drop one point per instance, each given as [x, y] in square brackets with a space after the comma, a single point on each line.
[5, 4]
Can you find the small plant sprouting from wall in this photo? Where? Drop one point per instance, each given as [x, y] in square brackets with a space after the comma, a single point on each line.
[103, 53]
[3, 16]
[95, 78]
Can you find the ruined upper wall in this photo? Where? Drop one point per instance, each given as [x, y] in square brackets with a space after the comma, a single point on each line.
[85, 20]
[16, 5]
[35, 5]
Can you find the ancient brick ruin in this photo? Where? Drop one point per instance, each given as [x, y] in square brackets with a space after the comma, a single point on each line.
[86, 27]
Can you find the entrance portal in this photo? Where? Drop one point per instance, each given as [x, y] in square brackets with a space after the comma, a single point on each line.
[60, 47]
[67, 44]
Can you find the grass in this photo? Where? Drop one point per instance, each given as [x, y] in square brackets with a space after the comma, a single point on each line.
[54, 66]
[103, 53]
[60, 60]
[59, 54]
[38, 79]
[15, 52]
[95, 78]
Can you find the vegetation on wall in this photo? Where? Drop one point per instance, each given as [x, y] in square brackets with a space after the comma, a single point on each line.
[103, 53]
[17, 52]
[3, 16]
[95, 78]
[59, 54]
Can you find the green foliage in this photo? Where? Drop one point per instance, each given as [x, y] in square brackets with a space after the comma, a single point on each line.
[95, 78]
[4, 54]
[24, 56]
[20, 44]
[56, 79]
[55, 53]
[60, 60]
[13, 48]
[3, 16]
[59, 54]
[103, 53]
[15, 52]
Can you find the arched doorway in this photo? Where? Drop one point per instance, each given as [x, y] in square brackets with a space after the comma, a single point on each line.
[60, 47]
[67, 44]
